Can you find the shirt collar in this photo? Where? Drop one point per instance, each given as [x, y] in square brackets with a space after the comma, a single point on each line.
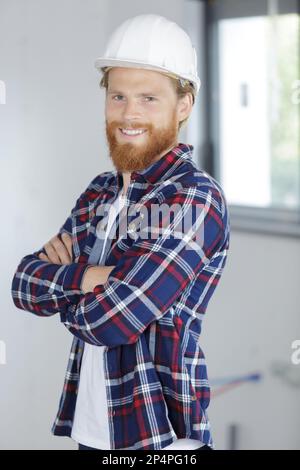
[156, 170]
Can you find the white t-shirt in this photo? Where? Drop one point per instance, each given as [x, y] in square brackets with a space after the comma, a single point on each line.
[90, 425]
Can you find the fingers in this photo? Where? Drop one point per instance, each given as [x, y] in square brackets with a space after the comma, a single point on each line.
[61, 249]
[43, 257]
[68, 243]
[59, 252]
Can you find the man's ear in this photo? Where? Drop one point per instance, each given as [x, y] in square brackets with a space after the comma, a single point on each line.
[185, 106]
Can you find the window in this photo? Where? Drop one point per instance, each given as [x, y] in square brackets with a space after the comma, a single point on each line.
[254, 98]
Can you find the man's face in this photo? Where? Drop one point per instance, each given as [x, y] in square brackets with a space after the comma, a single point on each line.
[146, 100]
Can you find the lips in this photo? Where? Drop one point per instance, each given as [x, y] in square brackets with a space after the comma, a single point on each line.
[131, 136]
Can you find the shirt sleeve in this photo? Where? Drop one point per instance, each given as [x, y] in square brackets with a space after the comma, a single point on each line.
[153, 273]
[45, 288]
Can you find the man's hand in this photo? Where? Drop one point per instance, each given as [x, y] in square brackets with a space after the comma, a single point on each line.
[58, 252]
[93, 276]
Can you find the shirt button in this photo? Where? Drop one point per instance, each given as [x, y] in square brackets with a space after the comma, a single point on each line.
[194, 397]
[131, 226]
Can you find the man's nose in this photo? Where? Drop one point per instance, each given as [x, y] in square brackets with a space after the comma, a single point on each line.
[131, 110]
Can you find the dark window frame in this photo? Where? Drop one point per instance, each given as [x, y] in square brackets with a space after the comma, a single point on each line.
[272, 221]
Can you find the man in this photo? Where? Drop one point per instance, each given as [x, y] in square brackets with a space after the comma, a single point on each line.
[134, 300]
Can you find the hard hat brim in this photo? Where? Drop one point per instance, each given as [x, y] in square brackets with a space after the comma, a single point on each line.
[109, 62]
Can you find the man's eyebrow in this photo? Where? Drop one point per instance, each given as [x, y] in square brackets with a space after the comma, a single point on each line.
[138, 94]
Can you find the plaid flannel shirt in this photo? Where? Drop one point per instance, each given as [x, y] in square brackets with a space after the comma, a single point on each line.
[148, 314]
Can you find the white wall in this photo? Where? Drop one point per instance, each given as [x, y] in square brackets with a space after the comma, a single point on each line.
[250, 325]
[52, 144]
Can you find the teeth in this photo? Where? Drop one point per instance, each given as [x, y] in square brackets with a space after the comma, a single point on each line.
[132, 131]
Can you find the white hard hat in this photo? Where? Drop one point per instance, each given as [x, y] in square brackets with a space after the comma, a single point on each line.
[152, 42]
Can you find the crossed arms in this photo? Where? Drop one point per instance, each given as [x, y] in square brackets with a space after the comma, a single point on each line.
[59, 251]
[113, 305]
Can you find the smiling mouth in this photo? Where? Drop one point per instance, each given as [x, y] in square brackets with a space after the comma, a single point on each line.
[131, 136]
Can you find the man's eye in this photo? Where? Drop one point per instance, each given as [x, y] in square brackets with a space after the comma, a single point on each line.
[150, 98]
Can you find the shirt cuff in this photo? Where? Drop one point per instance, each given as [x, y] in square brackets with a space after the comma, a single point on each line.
[72, 280]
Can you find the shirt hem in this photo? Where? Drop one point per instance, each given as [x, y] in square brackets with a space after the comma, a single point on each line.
[87, 442]
[67, 431]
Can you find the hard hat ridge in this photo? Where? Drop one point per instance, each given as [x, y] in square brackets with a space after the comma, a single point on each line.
[152, 42]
